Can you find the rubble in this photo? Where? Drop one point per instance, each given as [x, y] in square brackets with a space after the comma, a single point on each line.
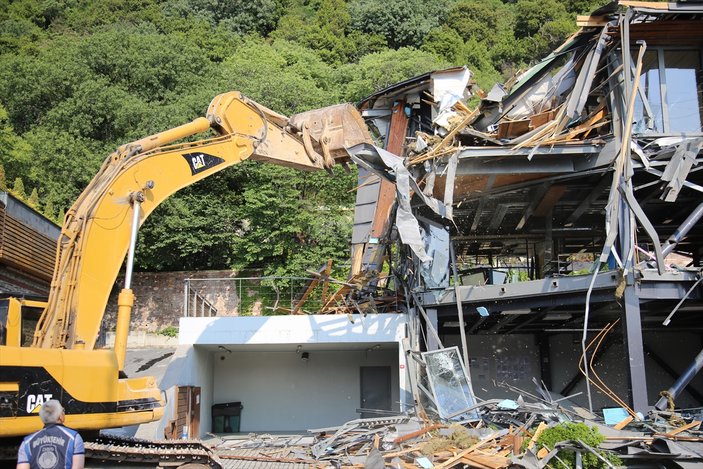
[515, 433]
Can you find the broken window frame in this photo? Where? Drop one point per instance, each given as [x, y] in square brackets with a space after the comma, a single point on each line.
[665, 113]
[465, 383]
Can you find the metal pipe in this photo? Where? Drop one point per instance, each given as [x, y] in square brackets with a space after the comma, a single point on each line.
[136, 212]
[682, 230]
[682, 382]
[125, 300]
[186, 284]
[678, 305]
[460, 310]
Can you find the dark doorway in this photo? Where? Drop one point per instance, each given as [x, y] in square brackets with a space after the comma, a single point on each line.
[375, 389]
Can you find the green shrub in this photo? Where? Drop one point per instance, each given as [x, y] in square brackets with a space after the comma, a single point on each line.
[170, 331]
[572, 431]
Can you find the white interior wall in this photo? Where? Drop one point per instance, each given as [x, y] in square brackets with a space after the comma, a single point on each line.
[281, 392]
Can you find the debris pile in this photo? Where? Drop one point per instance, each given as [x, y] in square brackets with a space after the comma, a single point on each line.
[522, 433]
[561, 100]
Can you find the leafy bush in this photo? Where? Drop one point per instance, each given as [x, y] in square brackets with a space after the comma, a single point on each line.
[572, 431]
[170, 331]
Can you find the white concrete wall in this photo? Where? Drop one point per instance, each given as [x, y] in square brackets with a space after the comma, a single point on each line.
[320, 329]
[189, 366]
[142, 339]
[281, 392]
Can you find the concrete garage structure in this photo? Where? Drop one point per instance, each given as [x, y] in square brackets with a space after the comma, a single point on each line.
[290, 373]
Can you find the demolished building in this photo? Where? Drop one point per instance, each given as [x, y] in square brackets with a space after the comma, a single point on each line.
[567, 201]
[549, 229]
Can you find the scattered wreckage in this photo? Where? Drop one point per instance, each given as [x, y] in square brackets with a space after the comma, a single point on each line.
[596, 105]
[535, 431]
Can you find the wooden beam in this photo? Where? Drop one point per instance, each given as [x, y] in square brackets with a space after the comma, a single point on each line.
[638, 4]
[550, 199]
[586, 21]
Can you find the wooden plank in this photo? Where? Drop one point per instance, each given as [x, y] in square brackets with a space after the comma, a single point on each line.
[448, 138]
[624, 422]
[510, 129]
[540, 428]
[486, 461]
[586, 21]
[456, 459]
[689, 426]
[417, 433]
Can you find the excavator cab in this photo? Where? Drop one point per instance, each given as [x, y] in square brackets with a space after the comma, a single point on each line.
[18, 320]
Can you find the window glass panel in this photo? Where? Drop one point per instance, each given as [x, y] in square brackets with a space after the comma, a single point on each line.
[650, 86]
[683, 89]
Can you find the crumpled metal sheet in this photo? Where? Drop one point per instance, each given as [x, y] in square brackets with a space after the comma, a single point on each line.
[390, 166]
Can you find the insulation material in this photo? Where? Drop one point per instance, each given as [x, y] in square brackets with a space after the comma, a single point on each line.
[448, 87]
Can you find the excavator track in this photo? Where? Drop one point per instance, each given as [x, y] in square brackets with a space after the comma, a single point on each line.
[107, 451]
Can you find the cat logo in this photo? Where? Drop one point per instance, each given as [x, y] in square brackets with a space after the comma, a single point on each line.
[35, 401]
[199, 162]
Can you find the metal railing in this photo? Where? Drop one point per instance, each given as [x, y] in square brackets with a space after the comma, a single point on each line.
[251, 295]
[266, 296]
[195, 304]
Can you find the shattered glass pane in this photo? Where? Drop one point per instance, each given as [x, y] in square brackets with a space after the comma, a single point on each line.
[449, 382]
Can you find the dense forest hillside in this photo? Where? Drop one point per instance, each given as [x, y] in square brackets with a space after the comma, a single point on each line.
[80, 77]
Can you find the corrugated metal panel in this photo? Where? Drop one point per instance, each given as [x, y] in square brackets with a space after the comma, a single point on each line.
[366, 197]
[28, 216]
[368, 194]
[25, 241]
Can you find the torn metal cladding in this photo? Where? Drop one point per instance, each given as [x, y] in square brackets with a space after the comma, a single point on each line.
[578, 180]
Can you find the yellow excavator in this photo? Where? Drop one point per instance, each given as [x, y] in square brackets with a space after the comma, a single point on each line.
[98, 232]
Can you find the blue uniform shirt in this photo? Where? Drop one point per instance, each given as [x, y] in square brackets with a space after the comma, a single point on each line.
[52, 447]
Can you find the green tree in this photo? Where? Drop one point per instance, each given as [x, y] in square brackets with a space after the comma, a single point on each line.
[240, 16]
[532, 15]
[404, 23]
[377, 71]
[15, 152]
[283, 76]
[3, 180]
[18, 189]
[33, 200]
[445, 42]
[480, 20]
[49, 209]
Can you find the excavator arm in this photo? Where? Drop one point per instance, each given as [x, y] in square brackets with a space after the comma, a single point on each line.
[100, 230]
[135, 179]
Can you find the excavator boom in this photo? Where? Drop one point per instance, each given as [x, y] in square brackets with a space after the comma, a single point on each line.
[99, 231]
